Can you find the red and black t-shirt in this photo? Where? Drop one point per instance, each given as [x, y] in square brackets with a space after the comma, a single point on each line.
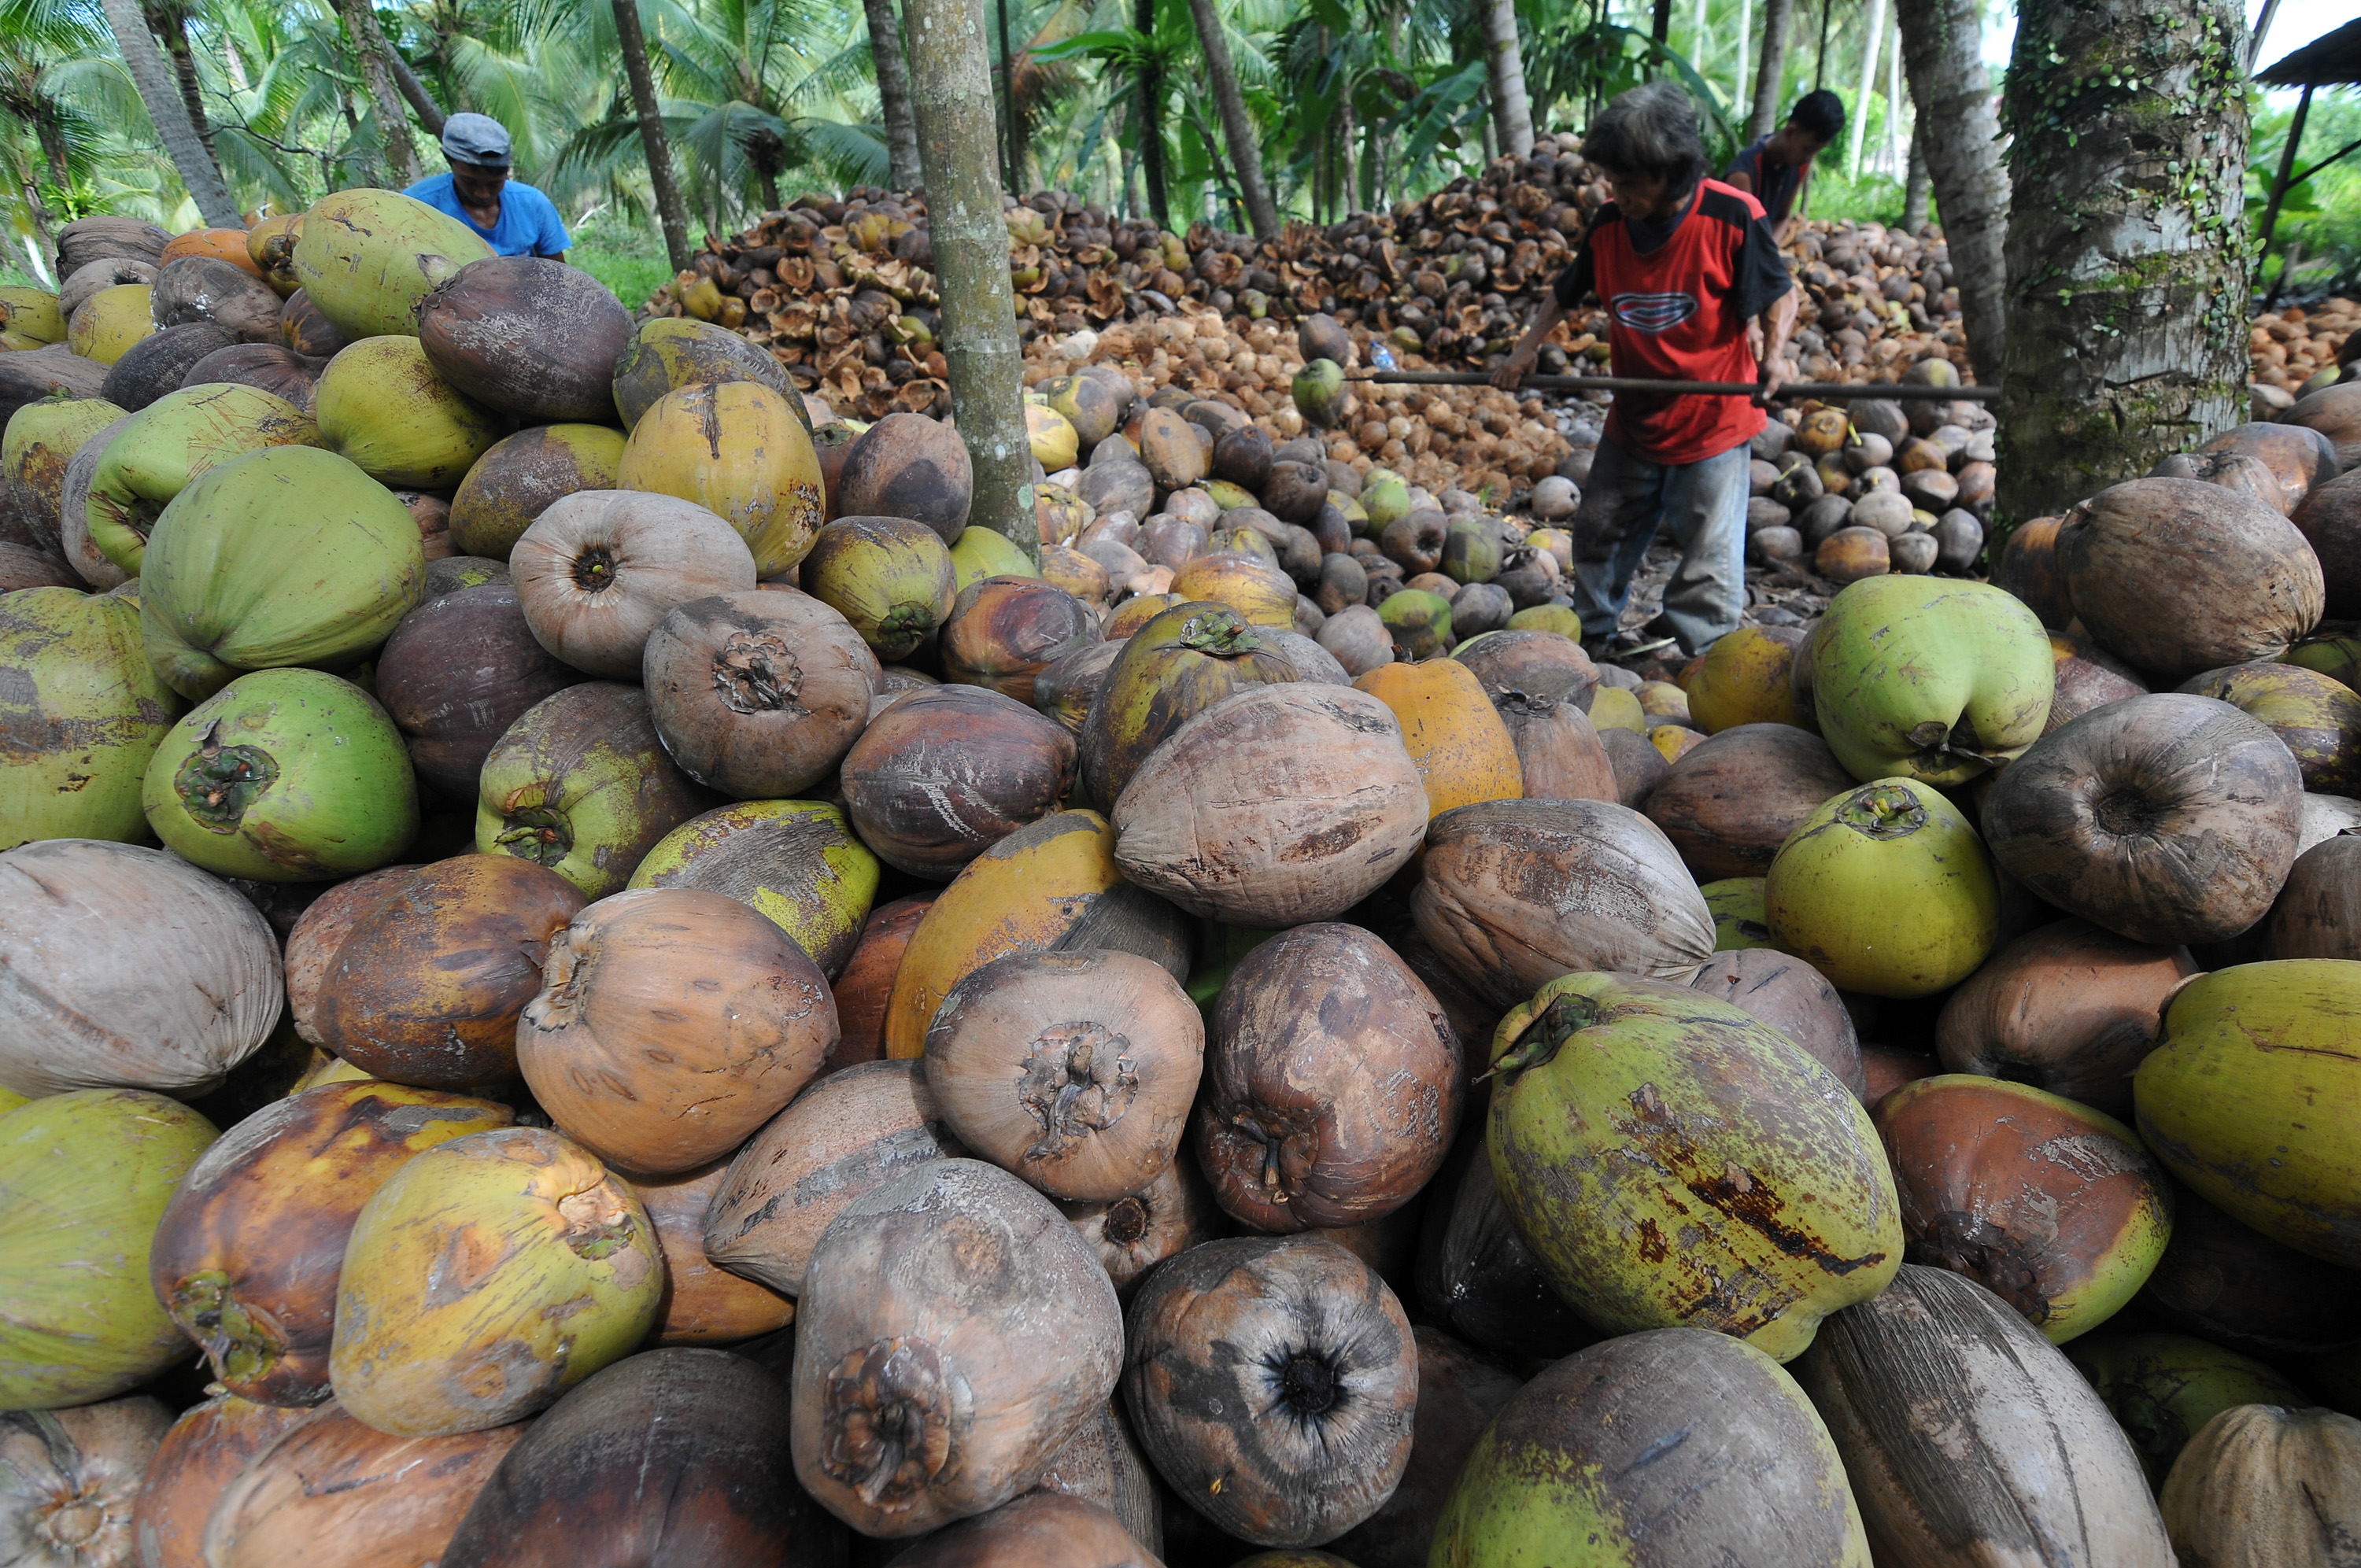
[1678, 294]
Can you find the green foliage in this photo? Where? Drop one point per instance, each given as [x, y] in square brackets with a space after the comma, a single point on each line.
[2322, 215]
[628, 257]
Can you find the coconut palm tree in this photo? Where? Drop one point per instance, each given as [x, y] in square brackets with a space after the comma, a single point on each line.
[632, 44]
[169, 115]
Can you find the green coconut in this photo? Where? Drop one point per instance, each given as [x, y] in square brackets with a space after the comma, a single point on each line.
[1671, 1160]
[1182, 662]
[667, 354]
[580, 783]
[81, 712]
[1886, 890]
[1740, 919]
[1930, 678]
[1384, 499]
[797, 861]
[2163, 1387]
[286, 556]
[979, 552]
[1319, 391]
[31, 313]
[367, 258]
[1651, 1451]
[85, 1177]
[171, 441]
[382, 403]
[1471, 551]
[284, 775]
[42, 438]
[2251, 1096]
[1420, 622]
[892, 578]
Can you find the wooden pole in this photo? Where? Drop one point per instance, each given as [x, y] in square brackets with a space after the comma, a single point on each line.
[1826, 391]
[951, 91]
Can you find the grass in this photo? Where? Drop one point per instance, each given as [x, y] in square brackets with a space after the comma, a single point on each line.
[625, 254]
[2324, 214]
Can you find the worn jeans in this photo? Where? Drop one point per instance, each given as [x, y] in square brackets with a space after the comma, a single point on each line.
[1704, 504]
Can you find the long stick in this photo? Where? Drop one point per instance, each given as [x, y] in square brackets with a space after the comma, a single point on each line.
[1827, 392]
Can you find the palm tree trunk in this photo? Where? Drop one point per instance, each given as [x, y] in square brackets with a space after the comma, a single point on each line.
[393, 119]
[670, 209]
[952, 98]
[1237, 127]
[2126, 242]
[1958, 140]
[1868, 85]
[1660, 26]
[171, 29]
[153, 79]
[893, 93]
[1504, 65]
[1151, 117]
[1915, 187]
[1773, 71]
[429, 113]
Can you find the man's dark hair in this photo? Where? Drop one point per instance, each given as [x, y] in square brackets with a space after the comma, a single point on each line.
[1819, 115]
[1649, 132]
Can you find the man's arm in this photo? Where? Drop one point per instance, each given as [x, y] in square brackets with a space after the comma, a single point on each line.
[1520, 361]
[1775, 324]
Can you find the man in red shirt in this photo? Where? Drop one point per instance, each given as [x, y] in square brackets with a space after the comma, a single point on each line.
[1695, 291]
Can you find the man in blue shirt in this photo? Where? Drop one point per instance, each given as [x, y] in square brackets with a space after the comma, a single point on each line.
[512, 217]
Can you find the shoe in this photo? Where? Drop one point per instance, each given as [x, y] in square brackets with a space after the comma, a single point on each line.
[1621, 646]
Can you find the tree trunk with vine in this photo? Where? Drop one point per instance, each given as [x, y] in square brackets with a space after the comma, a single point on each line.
[157, 90]
[170, 26]
[2126, 243]
[1504, 66]
[1958, 140]
[670, 209]
[952, 100]
[413, 90]
[1773, 71]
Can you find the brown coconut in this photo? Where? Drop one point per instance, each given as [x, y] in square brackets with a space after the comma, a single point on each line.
[458, 671]
[703, 1304]
[1730, 802]
[2165, 818]
[865, 984]
[952, 1334]
[2318, 912]
[1273, 1382]
[522, 474]
[598, 569]
[160, 364]
[199, 1457]
[758, 693]
[72, 1480]
[2178, 576]
[529, 336]
[1560, 755]
[1333, 1082]
[943, 774]
[908, 466]
[1795, 999]
[671, 1023]
[1166, 1217]
[320, 930]
[1005, 631]
[276, 369]
[302, 328]
[331, 1493]
[1279, 805]
[848, 1135]
[1514, 892]
[2070, 1008]
[2088, 677]
[2330, 517]
[1073, 1070]
[1459, 1392]
[207, 288]
[2298, 456]
[426, 987]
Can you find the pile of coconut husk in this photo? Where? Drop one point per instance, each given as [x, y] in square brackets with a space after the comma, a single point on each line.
[2299, 350]
[839, 288]
[1473, 438]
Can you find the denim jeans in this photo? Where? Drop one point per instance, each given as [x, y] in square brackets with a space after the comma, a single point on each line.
[1704, 505]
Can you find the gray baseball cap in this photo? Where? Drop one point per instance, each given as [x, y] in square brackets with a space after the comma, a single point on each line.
[477, 139]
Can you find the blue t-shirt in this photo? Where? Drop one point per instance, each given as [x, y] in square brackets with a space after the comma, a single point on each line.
[529, 223]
